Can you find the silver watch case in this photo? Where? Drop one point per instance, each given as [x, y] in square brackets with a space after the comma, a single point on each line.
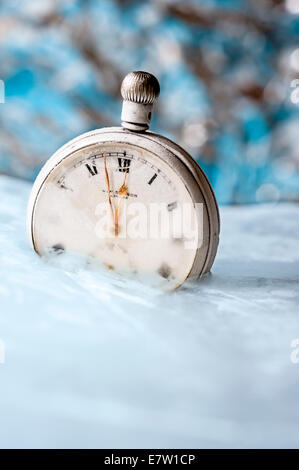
[185, 166]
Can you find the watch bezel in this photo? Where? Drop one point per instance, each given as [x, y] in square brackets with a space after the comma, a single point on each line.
[182, 163]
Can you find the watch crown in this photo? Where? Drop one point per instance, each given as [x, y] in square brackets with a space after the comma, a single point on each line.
[139, 91]
[140, 87]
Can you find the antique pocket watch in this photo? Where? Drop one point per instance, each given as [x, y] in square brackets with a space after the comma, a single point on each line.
[132, 199]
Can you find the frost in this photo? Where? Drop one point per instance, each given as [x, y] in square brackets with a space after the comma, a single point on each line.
[96, 360]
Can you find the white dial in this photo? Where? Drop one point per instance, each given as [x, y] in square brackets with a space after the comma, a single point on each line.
[124, 206]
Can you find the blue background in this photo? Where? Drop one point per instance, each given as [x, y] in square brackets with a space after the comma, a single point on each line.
[226, 70]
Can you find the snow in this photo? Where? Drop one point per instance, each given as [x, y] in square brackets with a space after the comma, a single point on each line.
[93, 360]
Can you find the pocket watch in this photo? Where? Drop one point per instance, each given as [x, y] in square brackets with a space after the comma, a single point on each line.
[132, 199]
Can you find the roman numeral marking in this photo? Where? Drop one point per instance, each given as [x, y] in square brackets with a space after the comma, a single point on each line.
[124, 164]
[164, 270]
[152, 179]
[61, 183]
[92, 169]
[58, 248]
[172, 205]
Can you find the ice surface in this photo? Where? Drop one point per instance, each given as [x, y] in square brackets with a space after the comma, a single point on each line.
[92, 360]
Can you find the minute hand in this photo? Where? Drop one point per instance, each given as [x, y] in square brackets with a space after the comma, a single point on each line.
[123, 191]
[108, 187]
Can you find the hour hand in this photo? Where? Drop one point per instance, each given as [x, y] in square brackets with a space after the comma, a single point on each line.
[123, 191]
[108, 186]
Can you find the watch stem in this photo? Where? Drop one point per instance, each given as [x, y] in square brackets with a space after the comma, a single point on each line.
[139, 91]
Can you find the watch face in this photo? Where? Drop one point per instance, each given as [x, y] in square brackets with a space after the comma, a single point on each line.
[124, 206]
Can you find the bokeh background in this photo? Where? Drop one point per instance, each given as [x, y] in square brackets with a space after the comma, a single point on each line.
[228, 70]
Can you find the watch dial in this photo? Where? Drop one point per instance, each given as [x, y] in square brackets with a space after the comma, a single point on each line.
[124, 206]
